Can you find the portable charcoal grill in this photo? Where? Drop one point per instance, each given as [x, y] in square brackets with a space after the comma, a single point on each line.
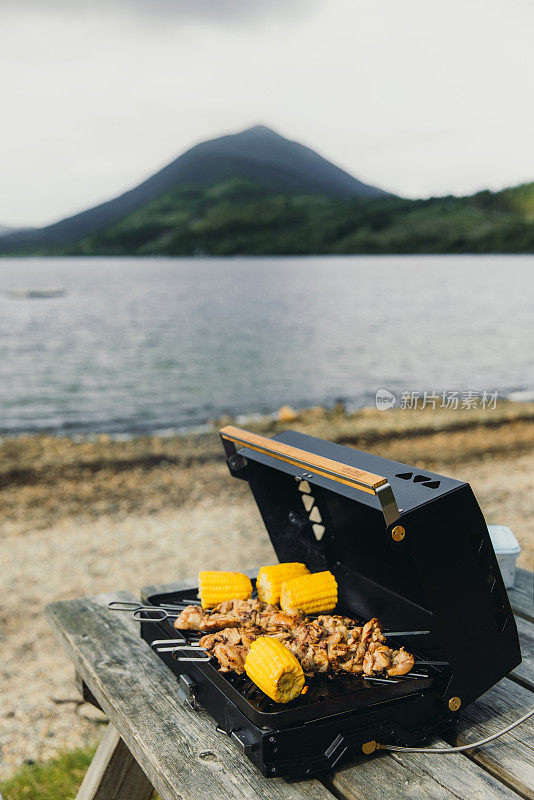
[408, 546]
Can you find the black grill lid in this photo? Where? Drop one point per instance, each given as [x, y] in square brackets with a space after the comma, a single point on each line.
[406, 545]
[327, 520]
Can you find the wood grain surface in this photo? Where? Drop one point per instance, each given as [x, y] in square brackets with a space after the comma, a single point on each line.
[179, 751]
[336, 470]
[183, 756]
[510, 758]
[522, 595]
[524, 673]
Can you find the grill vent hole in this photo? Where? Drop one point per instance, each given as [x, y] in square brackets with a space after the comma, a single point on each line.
[308, 501]
[408, 476]
[319, 531]
[315, 515]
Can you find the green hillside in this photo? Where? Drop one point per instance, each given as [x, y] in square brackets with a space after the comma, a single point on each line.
[240, 217]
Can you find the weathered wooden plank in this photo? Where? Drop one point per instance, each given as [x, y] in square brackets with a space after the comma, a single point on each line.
[522, 595]
[524, 673]
[85, 691]
[510, 758]
[177, 748]
[114, 773]
[420, 776]
[524, 581]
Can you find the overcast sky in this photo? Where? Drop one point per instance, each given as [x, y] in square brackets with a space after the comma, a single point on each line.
[418, 97]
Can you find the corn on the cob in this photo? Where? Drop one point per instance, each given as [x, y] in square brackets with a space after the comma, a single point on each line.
[309, 593]
[274, 669]
[215, 587]
[270, 580]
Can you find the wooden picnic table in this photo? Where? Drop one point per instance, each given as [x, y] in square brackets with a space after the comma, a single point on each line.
[155, 741]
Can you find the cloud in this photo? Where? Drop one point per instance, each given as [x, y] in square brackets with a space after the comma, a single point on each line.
[99, 94]
[211, 11]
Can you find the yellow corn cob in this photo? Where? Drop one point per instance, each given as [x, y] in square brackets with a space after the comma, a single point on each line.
[270, 579]
[274, 669]
[215, 587]
[309, 593]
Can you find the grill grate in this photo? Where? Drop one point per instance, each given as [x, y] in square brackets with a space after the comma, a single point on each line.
[322, 689]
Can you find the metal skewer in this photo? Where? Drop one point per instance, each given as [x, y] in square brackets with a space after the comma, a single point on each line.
[405, 633]
[131, 605]
[176, 647]
[141, 613]
[158, 614]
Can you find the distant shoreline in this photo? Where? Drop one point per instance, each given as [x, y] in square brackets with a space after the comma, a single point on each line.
[45, 478]
[264, 419]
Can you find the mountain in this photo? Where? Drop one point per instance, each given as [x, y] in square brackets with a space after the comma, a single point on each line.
[257, 154]
[237, 217]
[6, 230]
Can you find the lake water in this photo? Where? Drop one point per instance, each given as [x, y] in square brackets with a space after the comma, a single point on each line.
[141, 345]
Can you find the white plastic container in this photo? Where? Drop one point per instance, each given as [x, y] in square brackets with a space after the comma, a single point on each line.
[507, 548]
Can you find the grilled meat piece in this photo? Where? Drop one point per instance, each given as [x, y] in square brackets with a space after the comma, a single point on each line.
[377, 658]
[308, 644]
[190, 618]
[380, 658]
[230, 647]
[372, 632]
[352, 661]
[231, 657]
[401, 663]
[334, 623]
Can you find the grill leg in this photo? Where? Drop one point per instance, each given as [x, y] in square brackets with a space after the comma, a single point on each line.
[114, 773]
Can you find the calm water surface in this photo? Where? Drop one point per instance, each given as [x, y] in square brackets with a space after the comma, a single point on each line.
[151, 344]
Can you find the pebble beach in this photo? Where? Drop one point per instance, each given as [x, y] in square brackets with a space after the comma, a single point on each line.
[96, 515]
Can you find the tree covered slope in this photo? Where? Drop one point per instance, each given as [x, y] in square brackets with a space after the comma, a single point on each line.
[238, 217]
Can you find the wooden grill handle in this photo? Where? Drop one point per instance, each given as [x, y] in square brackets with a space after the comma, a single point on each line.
[335, 470]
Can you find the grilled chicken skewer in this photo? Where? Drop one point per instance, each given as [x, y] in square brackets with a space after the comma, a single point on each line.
[235, 614]
[330, 643]
[316, 655]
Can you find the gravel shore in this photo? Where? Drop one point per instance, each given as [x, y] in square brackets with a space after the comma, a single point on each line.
[92, 516]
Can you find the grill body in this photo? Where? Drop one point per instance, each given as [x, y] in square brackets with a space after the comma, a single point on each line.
[441, 575]
[333, 719]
